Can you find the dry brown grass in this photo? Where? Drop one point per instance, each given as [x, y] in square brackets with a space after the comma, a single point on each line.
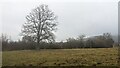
[62, 57]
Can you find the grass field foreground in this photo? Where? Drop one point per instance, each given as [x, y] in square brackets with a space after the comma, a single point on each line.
[62, 57]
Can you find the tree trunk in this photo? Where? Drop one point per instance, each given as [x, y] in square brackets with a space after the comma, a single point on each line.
[38, 42]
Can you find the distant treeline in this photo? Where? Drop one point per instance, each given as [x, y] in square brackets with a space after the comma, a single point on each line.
[102, 41]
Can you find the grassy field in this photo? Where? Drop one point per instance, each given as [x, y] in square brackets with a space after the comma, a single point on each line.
[62, 57]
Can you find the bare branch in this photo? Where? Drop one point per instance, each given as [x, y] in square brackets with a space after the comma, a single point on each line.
[40, 23]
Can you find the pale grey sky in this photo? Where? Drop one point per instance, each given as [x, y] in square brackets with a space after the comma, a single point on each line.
[75, 17]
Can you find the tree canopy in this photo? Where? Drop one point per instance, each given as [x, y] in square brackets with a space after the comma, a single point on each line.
[40, 24]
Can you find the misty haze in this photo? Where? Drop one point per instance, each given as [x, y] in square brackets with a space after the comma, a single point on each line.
[64, 33]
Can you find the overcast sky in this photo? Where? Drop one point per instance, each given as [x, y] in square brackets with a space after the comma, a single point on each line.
[89, 17]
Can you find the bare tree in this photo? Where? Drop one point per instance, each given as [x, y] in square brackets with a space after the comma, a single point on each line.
[108, 38]
[4, 38]
[27, 39]
[81, 37]
[40, 24]
[81, 40]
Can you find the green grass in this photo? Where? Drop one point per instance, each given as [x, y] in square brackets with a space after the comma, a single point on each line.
[62, 57]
